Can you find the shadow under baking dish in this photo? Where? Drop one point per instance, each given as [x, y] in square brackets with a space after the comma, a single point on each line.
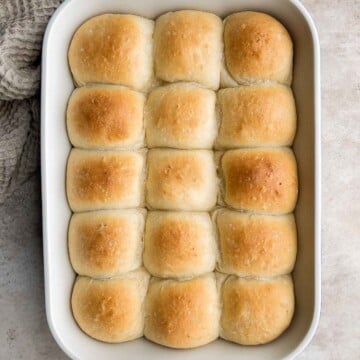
[59, 276]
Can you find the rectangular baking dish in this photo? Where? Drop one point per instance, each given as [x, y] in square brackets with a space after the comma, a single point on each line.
[56, 88]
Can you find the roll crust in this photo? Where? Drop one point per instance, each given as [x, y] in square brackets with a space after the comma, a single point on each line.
[105, 117]
[256, 311]
[113, 49]
[257, 47]
[104, 180]
[259, 115]
[182, 314]
[256, 245]
[106, 243]
[181, 116]
[260, 180]
[188, 47]
[113, 57]
[179, 244]
[181, 180]
[111, 310]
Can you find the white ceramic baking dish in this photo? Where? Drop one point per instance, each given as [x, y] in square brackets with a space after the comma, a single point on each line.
[59, 276]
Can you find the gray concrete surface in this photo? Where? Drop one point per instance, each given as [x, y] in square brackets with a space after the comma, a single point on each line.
[23, 330]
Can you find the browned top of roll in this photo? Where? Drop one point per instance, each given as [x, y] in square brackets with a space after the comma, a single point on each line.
[100, 117]
[257, 47]
[187, 47]
[181, 116]
[179, 244]
[263, 180]
[106, 243]
[111, 310]
[258, 115]
[256, 311]
[113, 49]
[182, 314]
[104, 179]
[256, 245]
[181, 179]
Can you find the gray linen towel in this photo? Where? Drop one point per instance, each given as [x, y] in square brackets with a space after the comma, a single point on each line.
[22, 24]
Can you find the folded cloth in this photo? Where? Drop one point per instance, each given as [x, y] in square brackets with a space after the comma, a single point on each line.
[22, 24]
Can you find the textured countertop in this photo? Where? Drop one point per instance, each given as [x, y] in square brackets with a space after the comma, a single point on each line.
[24, 333]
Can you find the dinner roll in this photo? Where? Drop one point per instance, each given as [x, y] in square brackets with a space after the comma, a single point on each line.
[106, 243]
[104, 179]
[260, 180]
[181, 116]
[188, 47]
[182, 314]
[257, 48]
[179, 244]
[260, 115]
[111, 310]
[181, 180]
[256, 245]
[105, 117]
[114, 49]
[256, 311]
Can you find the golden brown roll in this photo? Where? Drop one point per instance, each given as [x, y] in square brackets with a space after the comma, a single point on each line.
[260, 180]
[256, 245]
[182, 314]
[105, 117]
[106, 243]
[181, 180]
[188, 47]
[113, 49]
[104, 180]
[179, 244]
[181, 116]
[111, 310]
[257, 48]
[259, 115]
[256, 311]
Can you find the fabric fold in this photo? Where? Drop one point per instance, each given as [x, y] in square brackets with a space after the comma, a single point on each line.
[22, 25]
